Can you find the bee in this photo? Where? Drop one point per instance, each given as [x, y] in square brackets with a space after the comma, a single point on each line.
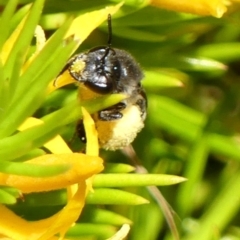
[106, 70]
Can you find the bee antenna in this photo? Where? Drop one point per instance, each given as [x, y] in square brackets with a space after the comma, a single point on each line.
[109, 20]
[108, 47]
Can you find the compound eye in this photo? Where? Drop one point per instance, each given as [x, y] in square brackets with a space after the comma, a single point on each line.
[100, 84]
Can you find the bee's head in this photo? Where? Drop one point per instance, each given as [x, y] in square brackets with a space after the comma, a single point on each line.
[107, 69]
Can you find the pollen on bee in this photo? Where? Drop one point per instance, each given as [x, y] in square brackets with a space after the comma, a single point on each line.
[77, 66]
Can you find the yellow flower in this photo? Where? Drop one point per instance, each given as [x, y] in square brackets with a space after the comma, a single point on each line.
[215, 8]
[83, 166]
[78, 178]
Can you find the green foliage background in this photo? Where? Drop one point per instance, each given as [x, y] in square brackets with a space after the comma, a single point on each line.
[191, 66]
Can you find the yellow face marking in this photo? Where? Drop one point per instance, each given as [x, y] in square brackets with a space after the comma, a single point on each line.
[84, 93]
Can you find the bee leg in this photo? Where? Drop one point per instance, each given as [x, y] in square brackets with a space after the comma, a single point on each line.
[112, 113]
[109, 115]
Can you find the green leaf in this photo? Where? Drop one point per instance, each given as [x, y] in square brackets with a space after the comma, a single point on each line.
[8, 195]
[225, 145]
[130, 180]
[25, 105]
[198, 64]
[114, 197]
[103, 216]
[4, 91]
[118, 168]
[102, 231]
[19, 15]
[197, 159]
[51, 198]
[32, 170]
[13, 191]
[155, 80]
[175, 117]
[223, 208]
[6, 198]
[22, 142]
[5, 20]
[45, 58]
[142, 227]
[225, 52]
[24, 39]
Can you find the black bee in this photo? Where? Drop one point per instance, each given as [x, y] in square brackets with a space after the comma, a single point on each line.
[106, 70]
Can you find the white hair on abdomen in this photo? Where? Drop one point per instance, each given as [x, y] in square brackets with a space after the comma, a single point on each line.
[117, 134]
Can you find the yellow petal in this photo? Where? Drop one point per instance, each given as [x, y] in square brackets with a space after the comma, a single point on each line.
[92, 148]
[82, 167]
[62, 80]
[14, 227]
[11, 225]
[64, 219]
[57, 145]
[30, 122]
[215, 8]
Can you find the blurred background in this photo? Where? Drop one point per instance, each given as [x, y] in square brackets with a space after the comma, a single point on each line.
[192, 81]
